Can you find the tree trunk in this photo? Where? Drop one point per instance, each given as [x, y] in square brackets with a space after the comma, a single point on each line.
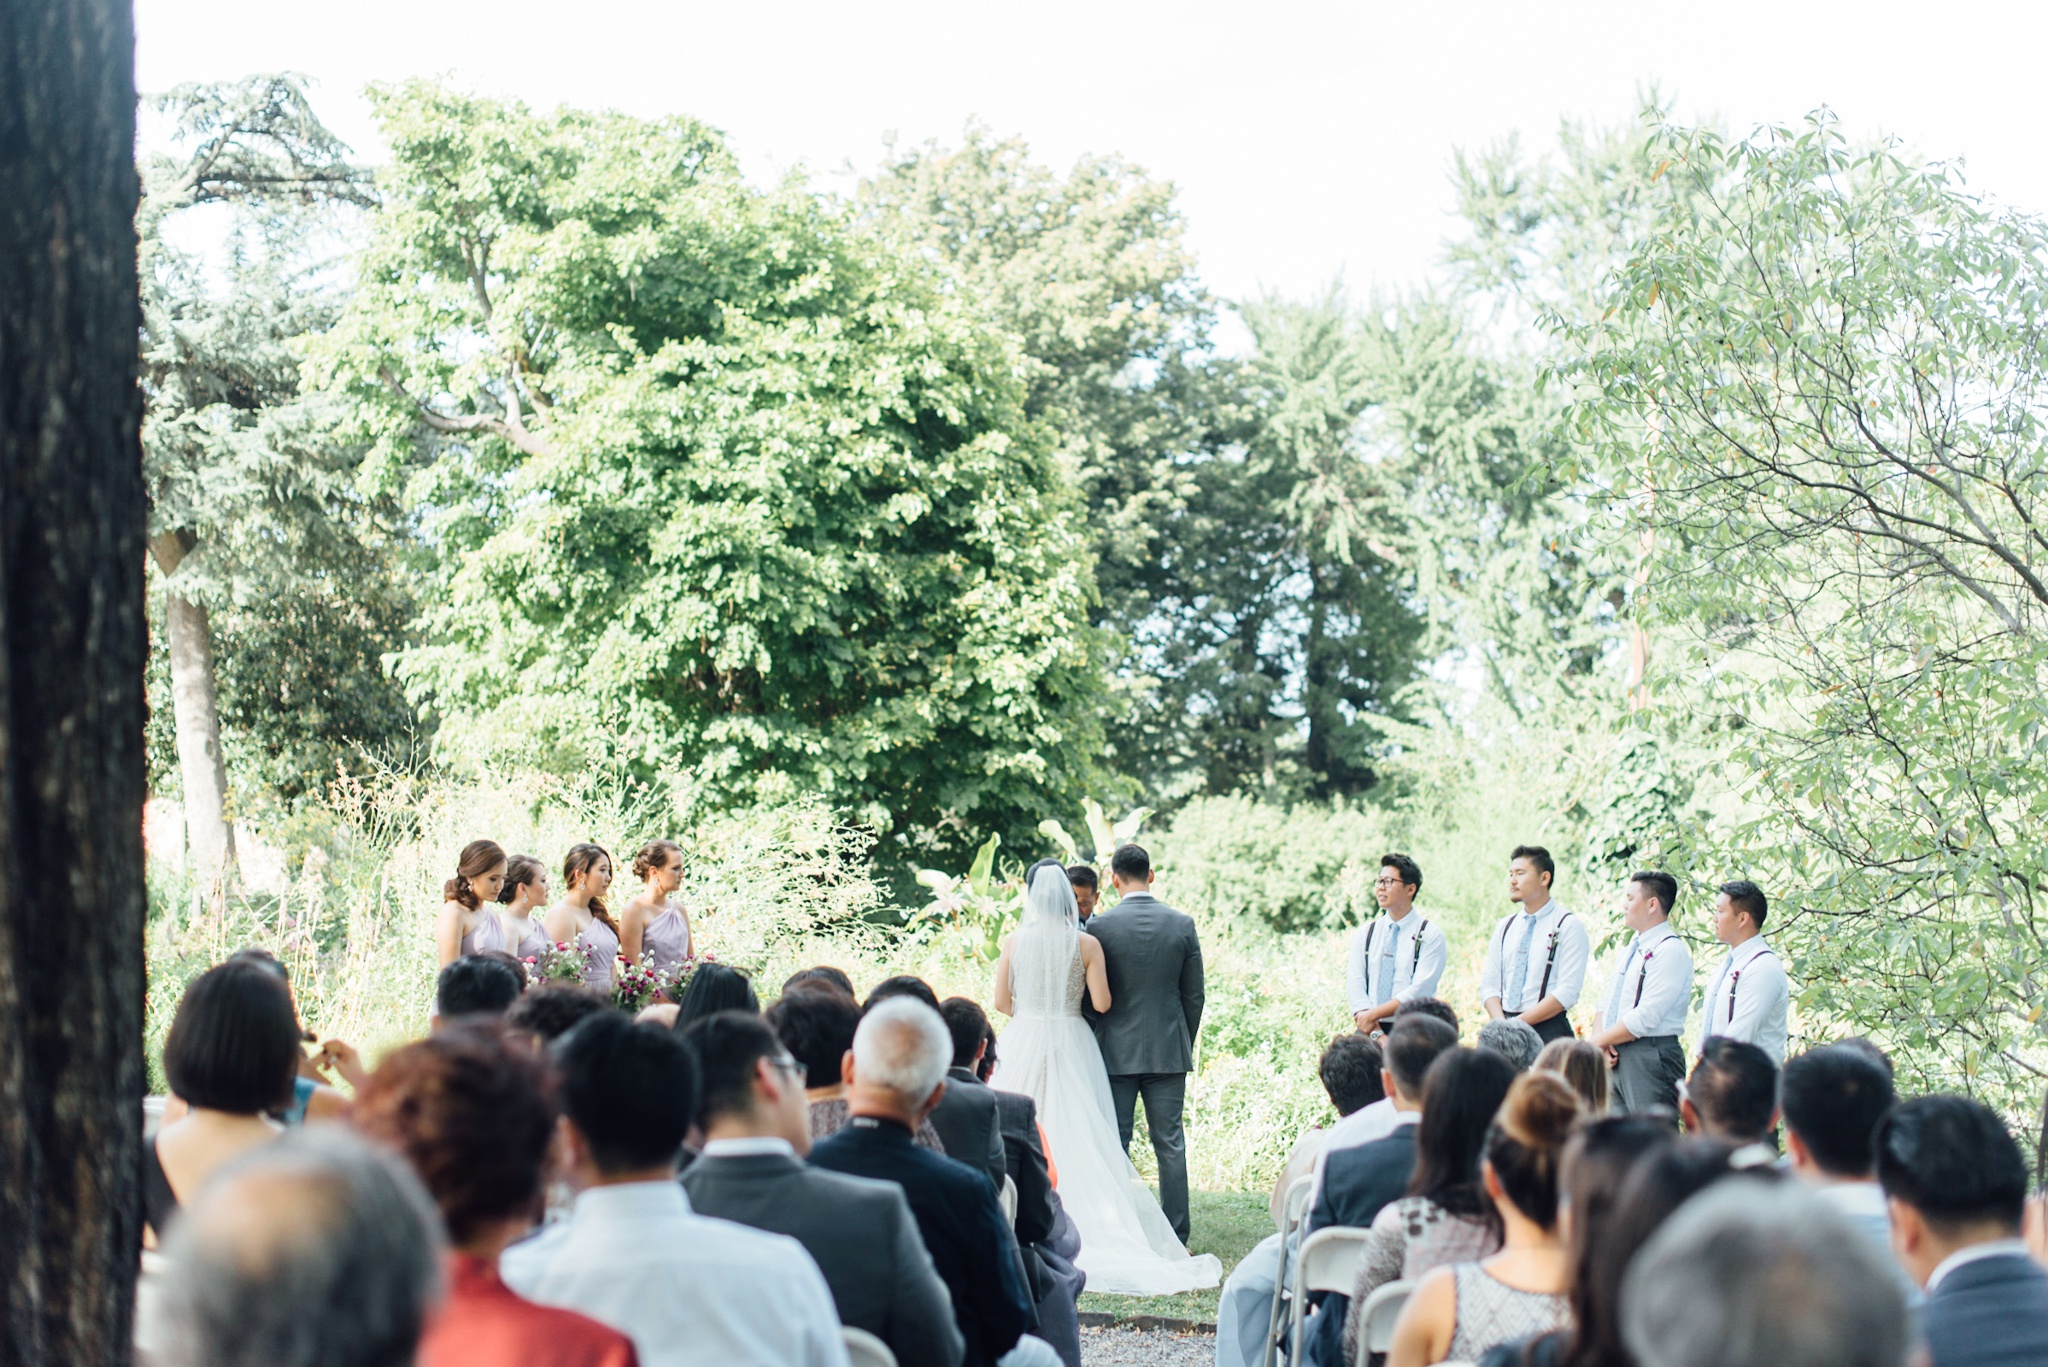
[201, 766]
[72, 647]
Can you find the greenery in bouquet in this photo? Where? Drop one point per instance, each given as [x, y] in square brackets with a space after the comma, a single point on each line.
[559, 962]
[635, 987]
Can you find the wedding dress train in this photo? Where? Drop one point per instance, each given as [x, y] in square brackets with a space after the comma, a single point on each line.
[1048, 1053]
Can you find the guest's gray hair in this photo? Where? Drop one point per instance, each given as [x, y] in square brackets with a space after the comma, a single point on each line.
[315, 1251]
[1754, 1272]
[1514, 1040]
[903, 1046]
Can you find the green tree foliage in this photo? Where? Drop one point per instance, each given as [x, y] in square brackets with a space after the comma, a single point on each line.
[299, 578]
[725, 484]
[1817, 393]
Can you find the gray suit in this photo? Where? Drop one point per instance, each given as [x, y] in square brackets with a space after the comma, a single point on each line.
[969, 1127]
[1153, 960]
[861, 1234]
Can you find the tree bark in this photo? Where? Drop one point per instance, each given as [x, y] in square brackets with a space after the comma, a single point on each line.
[202, 768]
[72, 645]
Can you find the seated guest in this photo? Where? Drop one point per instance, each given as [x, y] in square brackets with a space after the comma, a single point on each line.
[1597, 1162]
[714, 988]
[860, 1232]
[823, 973]
[966, 1116]
[313, 1098]
[1833, 1099]
[549, 1011]
[1732, 1094]
[1581, 1065]
[474, 1116]
[231, 1056]
[1514, 1039]
[685, 1288]
[317, 1251]
[817, 1028]
[1430, 1006]
[474, 985]
[518, 967]
[1352, 1074]
[1356, 1182]
[900, 1056]
[1446, 1217]
[1750, 1273]
[1956, 1185]
[1373, 1120]
[1457, 1313]
[902, 985]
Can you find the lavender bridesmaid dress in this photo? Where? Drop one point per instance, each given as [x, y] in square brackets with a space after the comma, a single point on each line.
[600, 949]
[666, 940]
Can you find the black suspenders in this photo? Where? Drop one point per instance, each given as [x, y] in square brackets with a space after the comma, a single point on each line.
[1549, 960]
[1735, 981]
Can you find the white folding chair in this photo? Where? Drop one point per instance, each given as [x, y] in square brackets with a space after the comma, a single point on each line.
[865, 1350]
[1293, 1212]
[1376, 1319]
[1328, 1262]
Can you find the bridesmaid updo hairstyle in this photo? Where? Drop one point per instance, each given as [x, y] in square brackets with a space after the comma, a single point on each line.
[655, 854]
[520, 870]
[1526, 1145]
[581, 860]
[479, 857]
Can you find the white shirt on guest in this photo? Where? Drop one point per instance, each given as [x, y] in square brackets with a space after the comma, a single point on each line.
[1395, 971]
[1973, 1253]
[1750, 999]
[1362, 1126]
[1567, 975]
[1652, 991]
[690, 1291]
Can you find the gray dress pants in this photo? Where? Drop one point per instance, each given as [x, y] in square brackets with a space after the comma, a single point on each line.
[1165, 1094]
[1647, 1073]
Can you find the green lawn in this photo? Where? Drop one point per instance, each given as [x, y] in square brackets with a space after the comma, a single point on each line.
[1226, 1223]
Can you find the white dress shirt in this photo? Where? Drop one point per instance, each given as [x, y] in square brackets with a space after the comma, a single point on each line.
[1552, 924]
[1750, 999]
[1973, 1253]
[1395, 973]
[1652, 991]
[690, 1291]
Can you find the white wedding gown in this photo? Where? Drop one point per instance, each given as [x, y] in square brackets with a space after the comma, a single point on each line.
[1049, 1054]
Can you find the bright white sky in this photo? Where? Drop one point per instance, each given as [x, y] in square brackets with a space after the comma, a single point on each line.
[1308, 140]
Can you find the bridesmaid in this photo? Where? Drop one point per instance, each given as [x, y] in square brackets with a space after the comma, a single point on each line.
[654, 932]
[479, 873]
[525, 892]
[580, 917]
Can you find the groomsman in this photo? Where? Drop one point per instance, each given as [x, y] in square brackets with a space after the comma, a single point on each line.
[1536, 960]
[1397, 956]
[1647, 1005]
[1750, 997]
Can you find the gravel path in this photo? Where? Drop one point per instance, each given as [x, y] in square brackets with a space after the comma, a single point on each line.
[1146, 1348]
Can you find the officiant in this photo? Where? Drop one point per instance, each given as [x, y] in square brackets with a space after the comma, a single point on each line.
[1397, 956]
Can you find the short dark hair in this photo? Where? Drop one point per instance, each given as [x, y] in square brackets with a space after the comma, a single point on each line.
[1952, 1159]
[475, 986]
[1350, 1070]
[551, 1010]
[1537, 856]
[1833, 1097]
[473, 1114]
[631, 1090]
[967, 1023]
[714, 988]
[1660, 885]
[1461, 1094]
[1869, 1050]
[902, 985]
[817, 1028]
[728, 1045]
[1435, 1007]
[1414, 1045]
[823, 973]
[1410, 872]
[1082, 876]
[234, 1043]
[1747, 897]
[1131, 861]
[1734, 1087]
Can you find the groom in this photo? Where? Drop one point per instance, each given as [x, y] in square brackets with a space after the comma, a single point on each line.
[1154, 964]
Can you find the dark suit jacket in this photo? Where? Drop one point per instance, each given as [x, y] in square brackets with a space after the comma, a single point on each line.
[1153, 960]
[1022, 1153]
[1356, 1184]
[963, 1228]
[969, 1127]
[1990, 1313]
[860, 1233]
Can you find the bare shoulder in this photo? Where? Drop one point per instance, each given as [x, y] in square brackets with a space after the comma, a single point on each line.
[1091, 948]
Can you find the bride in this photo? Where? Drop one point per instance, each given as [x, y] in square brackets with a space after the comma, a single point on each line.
[1049, 1054]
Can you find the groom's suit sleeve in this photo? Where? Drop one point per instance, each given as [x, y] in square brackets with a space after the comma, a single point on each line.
[1191, 986]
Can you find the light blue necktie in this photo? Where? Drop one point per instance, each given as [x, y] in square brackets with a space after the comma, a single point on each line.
[1621, 979]
[1519, 973]
[1391, 956]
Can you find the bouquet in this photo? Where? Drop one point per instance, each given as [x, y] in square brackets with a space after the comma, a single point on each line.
[559, 962]
[678, 976]
[635, 987]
